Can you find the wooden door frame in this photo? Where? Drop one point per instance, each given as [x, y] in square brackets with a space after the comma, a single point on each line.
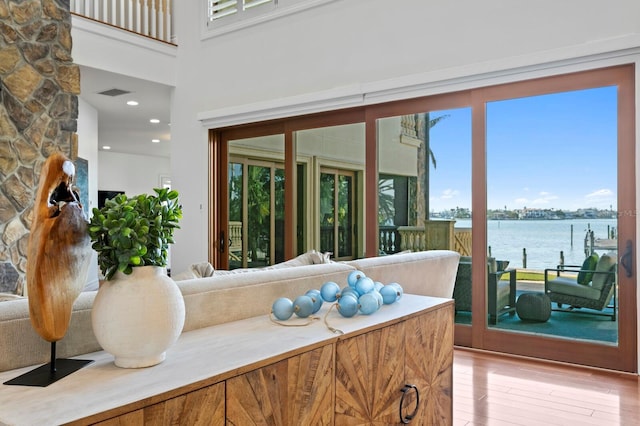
[353, 174]
[624, 355]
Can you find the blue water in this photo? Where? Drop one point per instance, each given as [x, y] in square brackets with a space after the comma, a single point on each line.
[542, 239]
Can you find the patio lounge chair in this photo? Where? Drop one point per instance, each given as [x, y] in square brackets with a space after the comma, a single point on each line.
[501, 294]
[585, 288]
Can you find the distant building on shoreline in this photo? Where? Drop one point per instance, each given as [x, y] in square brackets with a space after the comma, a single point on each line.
[529, 214]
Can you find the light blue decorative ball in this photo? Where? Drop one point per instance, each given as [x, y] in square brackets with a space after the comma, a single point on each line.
[282, 308]
[389, 294]
[353, 277]
[378, 296]
[368, 303]
[348, 306]
[348, 290]
[303, 306]
[329, 291]
[316, 298]
[364, 285]
[378, 285]
[399, 288]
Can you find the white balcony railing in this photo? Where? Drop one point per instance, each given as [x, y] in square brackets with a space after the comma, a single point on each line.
[150, 18]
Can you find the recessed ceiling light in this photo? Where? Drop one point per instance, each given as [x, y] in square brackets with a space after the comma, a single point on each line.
[107, 147]
[132, 103]
[155, 140]
[154, 121]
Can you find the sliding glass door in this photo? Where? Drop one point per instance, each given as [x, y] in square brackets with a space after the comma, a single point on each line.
[552, 208]
[533, 183]
[337, 213]
[256, 214]
[557, 156]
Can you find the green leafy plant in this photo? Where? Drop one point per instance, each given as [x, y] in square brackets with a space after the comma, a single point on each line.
[134, 231]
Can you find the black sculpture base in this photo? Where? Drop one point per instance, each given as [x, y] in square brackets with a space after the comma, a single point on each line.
[49, 373]
[45, 375]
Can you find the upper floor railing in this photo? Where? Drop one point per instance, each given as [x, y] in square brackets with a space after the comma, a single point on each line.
[151, 18]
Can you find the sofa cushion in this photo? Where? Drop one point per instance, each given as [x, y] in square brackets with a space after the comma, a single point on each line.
[586, 271]
[606, 263]
[569, 287]
[195, 270]
[223, 298]
[427, 273]
[21, 346]
[312, 257]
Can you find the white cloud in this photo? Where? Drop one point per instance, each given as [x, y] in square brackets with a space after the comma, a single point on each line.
[544, 199]
[601, 198]
[600, 194]
[449, 193]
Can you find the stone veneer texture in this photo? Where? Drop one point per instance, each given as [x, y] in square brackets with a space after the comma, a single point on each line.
[39, 87]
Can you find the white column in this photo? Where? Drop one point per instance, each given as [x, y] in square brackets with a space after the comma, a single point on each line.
[145, 17]
[168, 17]
[154, 19]
[121, 14]
[138, 17]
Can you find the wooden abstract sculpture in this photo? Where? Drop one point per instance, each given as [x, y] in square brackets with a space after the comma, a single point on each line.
[59, 250]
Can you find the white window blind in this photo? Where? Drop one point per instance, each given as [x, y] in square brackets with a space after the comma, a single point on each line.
[219, 9]
[223, 16]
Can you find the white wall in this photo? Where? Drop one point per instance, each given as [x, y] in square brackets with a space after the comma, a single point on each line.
[133, 174]
[340, 51]
[88, 147]
[349, 53]
[111, 49]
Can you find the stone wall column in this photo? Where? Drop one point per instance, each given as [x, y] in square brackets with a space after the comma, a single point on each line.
[39, 88]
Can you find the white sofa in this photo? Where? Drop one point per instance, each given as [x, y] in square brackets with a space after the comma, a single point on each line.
[224, 297]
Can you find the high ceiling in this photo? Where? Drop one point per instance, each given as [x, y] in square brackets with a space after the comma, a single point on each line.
[126, 129]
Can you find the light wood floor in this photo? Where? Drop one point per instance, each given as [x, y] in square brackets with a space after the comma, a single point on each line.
[500, 390]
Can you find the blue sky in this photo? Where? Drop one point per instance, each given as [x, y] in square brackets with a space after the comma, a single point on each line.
[552, 151]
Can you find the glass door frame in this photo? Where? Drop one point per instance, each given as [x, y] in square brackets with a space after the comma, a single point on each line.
[273, 166]
[624, 355]
[621, 357]
[337, 173]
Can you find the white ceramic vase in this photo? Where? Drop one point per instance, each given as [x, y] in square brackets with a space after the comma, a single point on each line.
[137, 317]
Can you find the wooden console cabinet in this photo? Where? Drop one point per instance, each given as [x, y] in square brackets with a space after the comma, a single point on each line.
[391, 366]
[373, 368]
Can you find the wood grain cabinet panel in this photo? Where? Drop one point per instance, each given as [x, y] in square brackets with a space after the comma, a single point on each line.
[428, 364]
[202, 407]
[369, 376]
[130, 419]
[373, 368]
[295, 391]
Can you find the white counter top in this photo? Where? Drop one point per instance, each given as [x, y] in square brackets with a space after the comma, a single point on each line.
[210, 354]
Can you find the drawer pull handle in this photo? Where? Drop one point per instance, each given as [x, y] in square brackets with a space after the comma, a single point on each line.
[406, 389]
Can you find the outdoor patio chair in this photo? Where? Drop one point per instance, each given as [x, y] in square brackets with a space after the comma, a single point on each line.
[584, 288]
[501, 294]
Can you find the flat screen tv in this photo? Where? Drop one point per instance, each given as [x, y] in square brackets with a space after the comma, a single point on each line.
[106, 195]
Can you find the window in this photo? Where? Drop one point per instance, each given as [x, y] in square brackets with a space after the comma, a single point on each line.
[224, 16]
[219, 9]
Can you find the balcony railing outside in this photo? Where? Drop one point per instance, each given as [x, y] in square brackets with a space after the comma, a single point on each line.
[389, 239]
[151, 18]
[415, 238]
